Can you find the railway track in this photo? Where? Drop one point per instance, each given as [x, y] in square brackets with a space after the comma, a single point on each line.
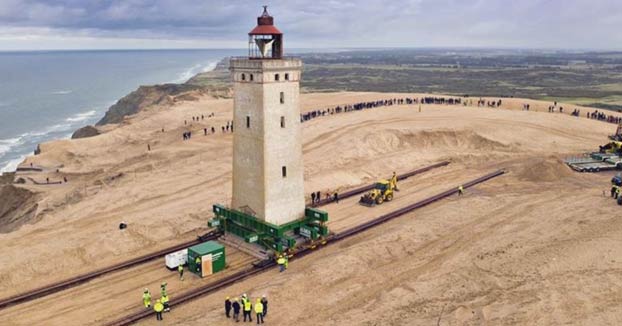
[212, 235]
[74, 281]
[267, 264]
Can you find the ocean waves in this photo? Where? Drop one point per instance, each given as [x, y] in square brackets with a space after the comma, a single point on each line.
[194, 70]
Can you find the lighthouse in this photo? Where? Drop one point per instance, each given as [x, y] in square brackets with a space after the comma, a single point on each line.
[267, 143]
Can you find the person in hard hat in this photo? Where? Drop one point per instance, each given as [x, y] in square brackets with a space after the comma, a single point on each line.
[264, 302]
[236, 309]
[180, 269]
[281, 262]
[197, 262]
[259, 311]
[158, 307]
[286, 263]
[248, 307]
[227, 307]
[147, 298]
[164, 301]
[460, 190]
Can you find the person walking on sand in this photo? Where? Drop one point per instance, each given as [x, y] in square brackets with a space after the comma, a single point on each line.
[259, 311]
[264, 301]
[318, 196]
[158, 307]
[460, 190]
[180, 269]
[313, 198]
[248, 307]
[227, 307]
[281, 262]
[236, 309]
[147, 298]
[336, 197]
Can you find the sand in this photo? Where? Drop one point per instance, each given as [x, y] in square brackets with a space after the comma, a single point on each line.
[539, 245]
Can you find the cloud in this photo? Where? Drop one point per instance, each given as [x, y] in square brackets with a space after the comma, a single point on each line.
[319, 23]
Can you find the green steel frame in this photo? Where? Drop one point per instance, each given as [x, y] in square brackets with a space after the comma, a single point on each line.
[268, 235]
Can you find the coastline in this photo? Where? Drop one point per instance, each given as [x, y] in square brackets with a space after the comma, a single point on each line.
[70, 125]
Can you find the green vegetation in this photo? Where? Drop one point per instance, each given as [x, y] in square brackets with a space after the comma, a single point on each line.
[583, 78]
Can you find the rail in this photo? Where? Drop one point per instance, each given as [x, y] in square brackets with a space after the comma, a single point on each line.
[265, 265]
[77, 280]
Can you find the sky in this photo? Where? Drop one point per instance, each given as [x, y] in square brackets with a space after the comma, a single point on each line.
[154, 24]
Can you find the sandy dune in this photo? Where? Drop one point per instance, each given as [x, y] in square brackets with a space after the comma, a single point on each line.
[538, 246]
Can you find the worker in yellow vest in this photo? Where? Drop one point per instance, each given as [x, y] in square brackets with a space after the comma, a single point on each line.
[164, 301]
[147, 298]
[259, 311]
[158, 307]
[281, 262]
[248, 307]
[180, 270]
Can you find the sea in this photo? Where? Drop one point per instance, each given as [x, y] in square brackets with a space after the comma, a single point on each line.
[47, 95]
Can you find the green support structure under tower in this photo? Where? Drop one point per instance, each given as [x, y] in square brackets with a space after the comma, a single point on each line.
[270, 236]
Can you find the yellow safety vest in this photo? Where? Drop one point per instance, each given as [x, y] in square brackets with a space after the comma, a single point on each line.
[280, 261]
[164, 299]
[259, 307]
[247, 305]
[158, 307]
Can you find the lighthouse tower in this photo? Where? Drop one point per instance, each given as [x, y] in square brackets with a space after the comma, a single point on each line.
[267, 147]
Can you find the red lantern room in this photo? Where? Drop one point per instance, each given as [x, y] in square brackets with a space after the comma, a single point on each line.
[265, 41]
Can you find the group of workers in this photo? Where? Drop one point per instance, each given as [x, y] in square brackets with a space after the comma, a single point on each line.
[246, 306]
[316, 197]
[161, 305]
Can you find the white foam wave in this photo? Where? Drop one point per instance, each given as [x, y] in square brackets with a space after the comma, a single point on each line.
[61, 92]
[81, 116]
[7, 144]
[11, 165]
[192, 71]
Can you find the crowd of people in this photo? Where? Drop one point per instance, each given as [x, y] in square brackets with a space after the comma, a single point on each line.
[376, 104]
[246, 306]
[316, 197]
[604, 117]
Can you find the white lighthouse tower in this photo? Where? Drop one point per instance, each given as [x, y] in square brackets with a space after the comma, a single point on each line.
[267, 144]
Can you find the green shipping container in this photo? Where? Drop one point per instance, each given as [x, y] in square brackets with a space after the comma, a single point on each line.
[211, 258]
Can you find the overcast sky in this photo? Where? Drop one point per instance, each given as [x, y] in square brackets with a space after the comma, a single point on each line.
[95, 24]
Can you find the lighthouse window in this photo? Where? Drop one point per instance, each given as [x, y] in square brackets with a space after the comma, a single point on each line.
[248, 122]
[282, 122]
[276, 77]
[284, 171]
[286, 76]
[282, 98]
[250, 77]
[243, 76]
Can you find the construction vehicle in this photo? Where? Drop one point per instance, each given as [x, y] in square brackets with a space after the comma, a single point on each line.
[614, 147]
[383, 191]
[616, 187]
[609, 157]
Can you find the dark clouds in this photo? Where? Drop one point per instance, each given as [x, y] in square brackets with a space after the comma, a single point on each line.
[325, 23]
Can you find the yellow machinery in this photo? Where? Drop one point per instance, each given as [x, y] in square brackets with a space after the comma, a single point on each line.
[383, 191]
[614, 147]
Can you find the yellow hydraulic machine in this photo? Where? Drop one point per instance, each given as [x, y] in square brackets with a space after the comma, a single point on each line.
[383, 191]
